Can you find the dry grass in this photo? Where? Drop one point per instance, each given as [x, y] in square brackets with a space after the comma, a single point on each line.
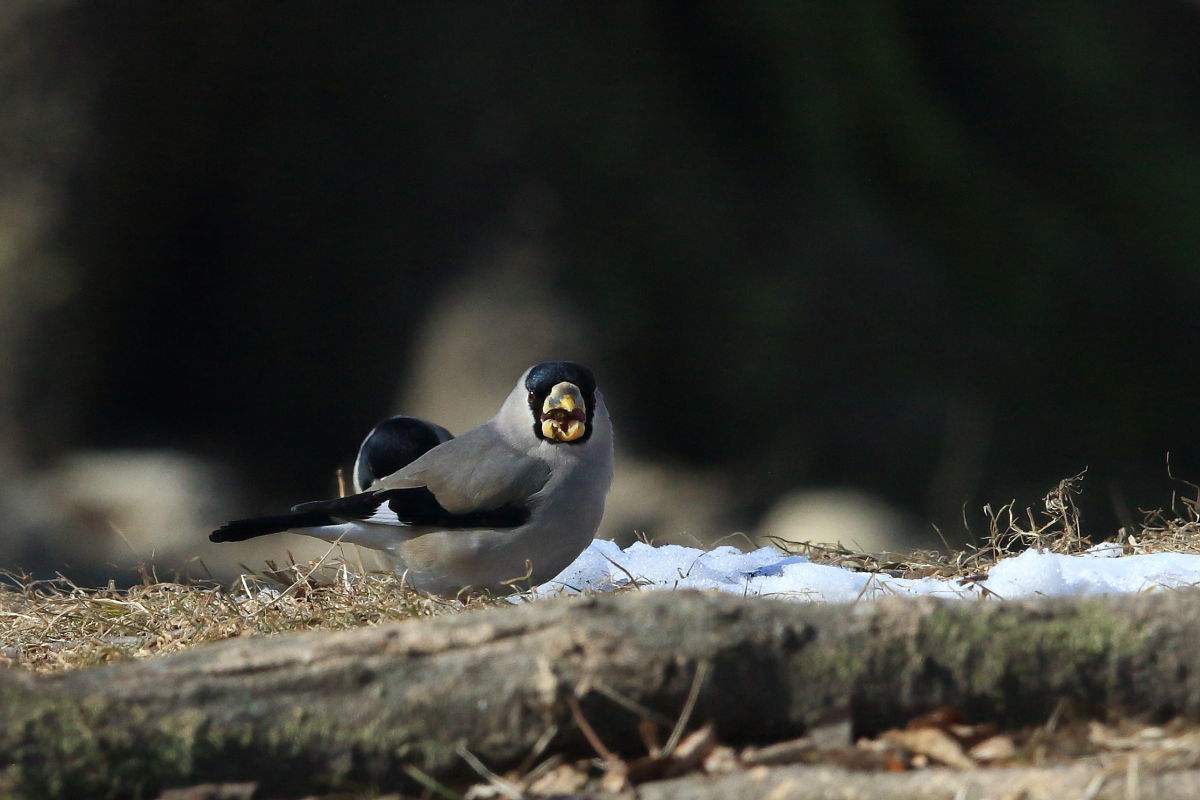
[1054, 527]
[53, 625]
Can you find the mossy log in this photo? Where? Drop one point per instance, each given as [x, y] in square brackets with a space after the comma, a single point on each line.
[320, 711]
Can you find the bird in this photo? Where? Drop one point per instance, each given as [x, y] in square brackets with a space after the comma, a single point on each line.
[506, 505]
[394, 443]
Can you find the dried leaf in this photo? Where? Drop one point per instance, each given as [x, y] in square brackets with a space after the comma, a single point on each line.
[933, 743]
[942, 717]
[996, 748]
[722, 759]
[563, 779]
[687, 756]
[792, 752]
[691, 751]
[616, 776]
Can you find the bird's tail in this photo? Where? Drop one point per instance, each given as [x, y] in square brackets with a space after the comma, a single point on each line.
[242, 529]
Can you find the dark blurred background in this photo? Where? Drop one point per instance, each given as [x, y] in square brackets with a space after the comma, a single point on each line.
[912, 256]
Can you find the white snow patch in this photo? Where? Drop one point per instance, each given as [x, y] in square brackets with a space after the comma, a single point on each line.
[770, 572]
[1105, 550]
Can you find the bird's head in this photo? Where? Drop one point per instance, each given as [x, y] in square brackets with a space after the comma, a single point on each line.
[562, 400]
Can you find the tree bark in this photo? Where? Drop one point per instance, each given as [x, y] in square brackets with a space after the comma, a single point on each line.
[325, 711]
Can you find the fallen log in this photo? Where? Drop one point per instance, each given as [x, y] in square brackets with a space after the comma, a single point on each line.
[374, 708]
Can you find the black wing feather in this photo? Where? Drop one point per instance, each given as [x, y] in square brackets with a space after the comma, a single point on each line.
[242, 529]
[417, 506]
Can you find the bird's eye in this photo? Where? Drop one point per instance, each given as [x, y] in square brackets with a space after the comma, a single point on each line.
[532, 398]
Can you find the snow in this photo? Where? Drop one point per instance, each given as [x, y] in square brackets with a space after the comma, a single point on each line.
[770, 572]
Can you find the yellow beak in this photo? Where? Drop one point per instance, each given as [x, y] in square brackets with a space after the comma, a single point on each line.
[564, 413]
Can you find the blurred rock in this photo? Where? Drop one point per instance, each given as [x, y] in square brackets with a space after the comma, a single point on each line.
[484, 331]
[853, 518]
[667, 504]
[103, 514]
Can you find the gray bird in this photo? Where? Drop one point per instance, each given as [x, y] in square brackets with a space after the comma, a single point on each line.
[510, 503]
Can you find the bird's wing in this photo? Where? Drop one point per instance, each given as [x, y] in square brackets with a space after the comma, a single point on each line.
[474, 481]
[478, 471]
[415, 506]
